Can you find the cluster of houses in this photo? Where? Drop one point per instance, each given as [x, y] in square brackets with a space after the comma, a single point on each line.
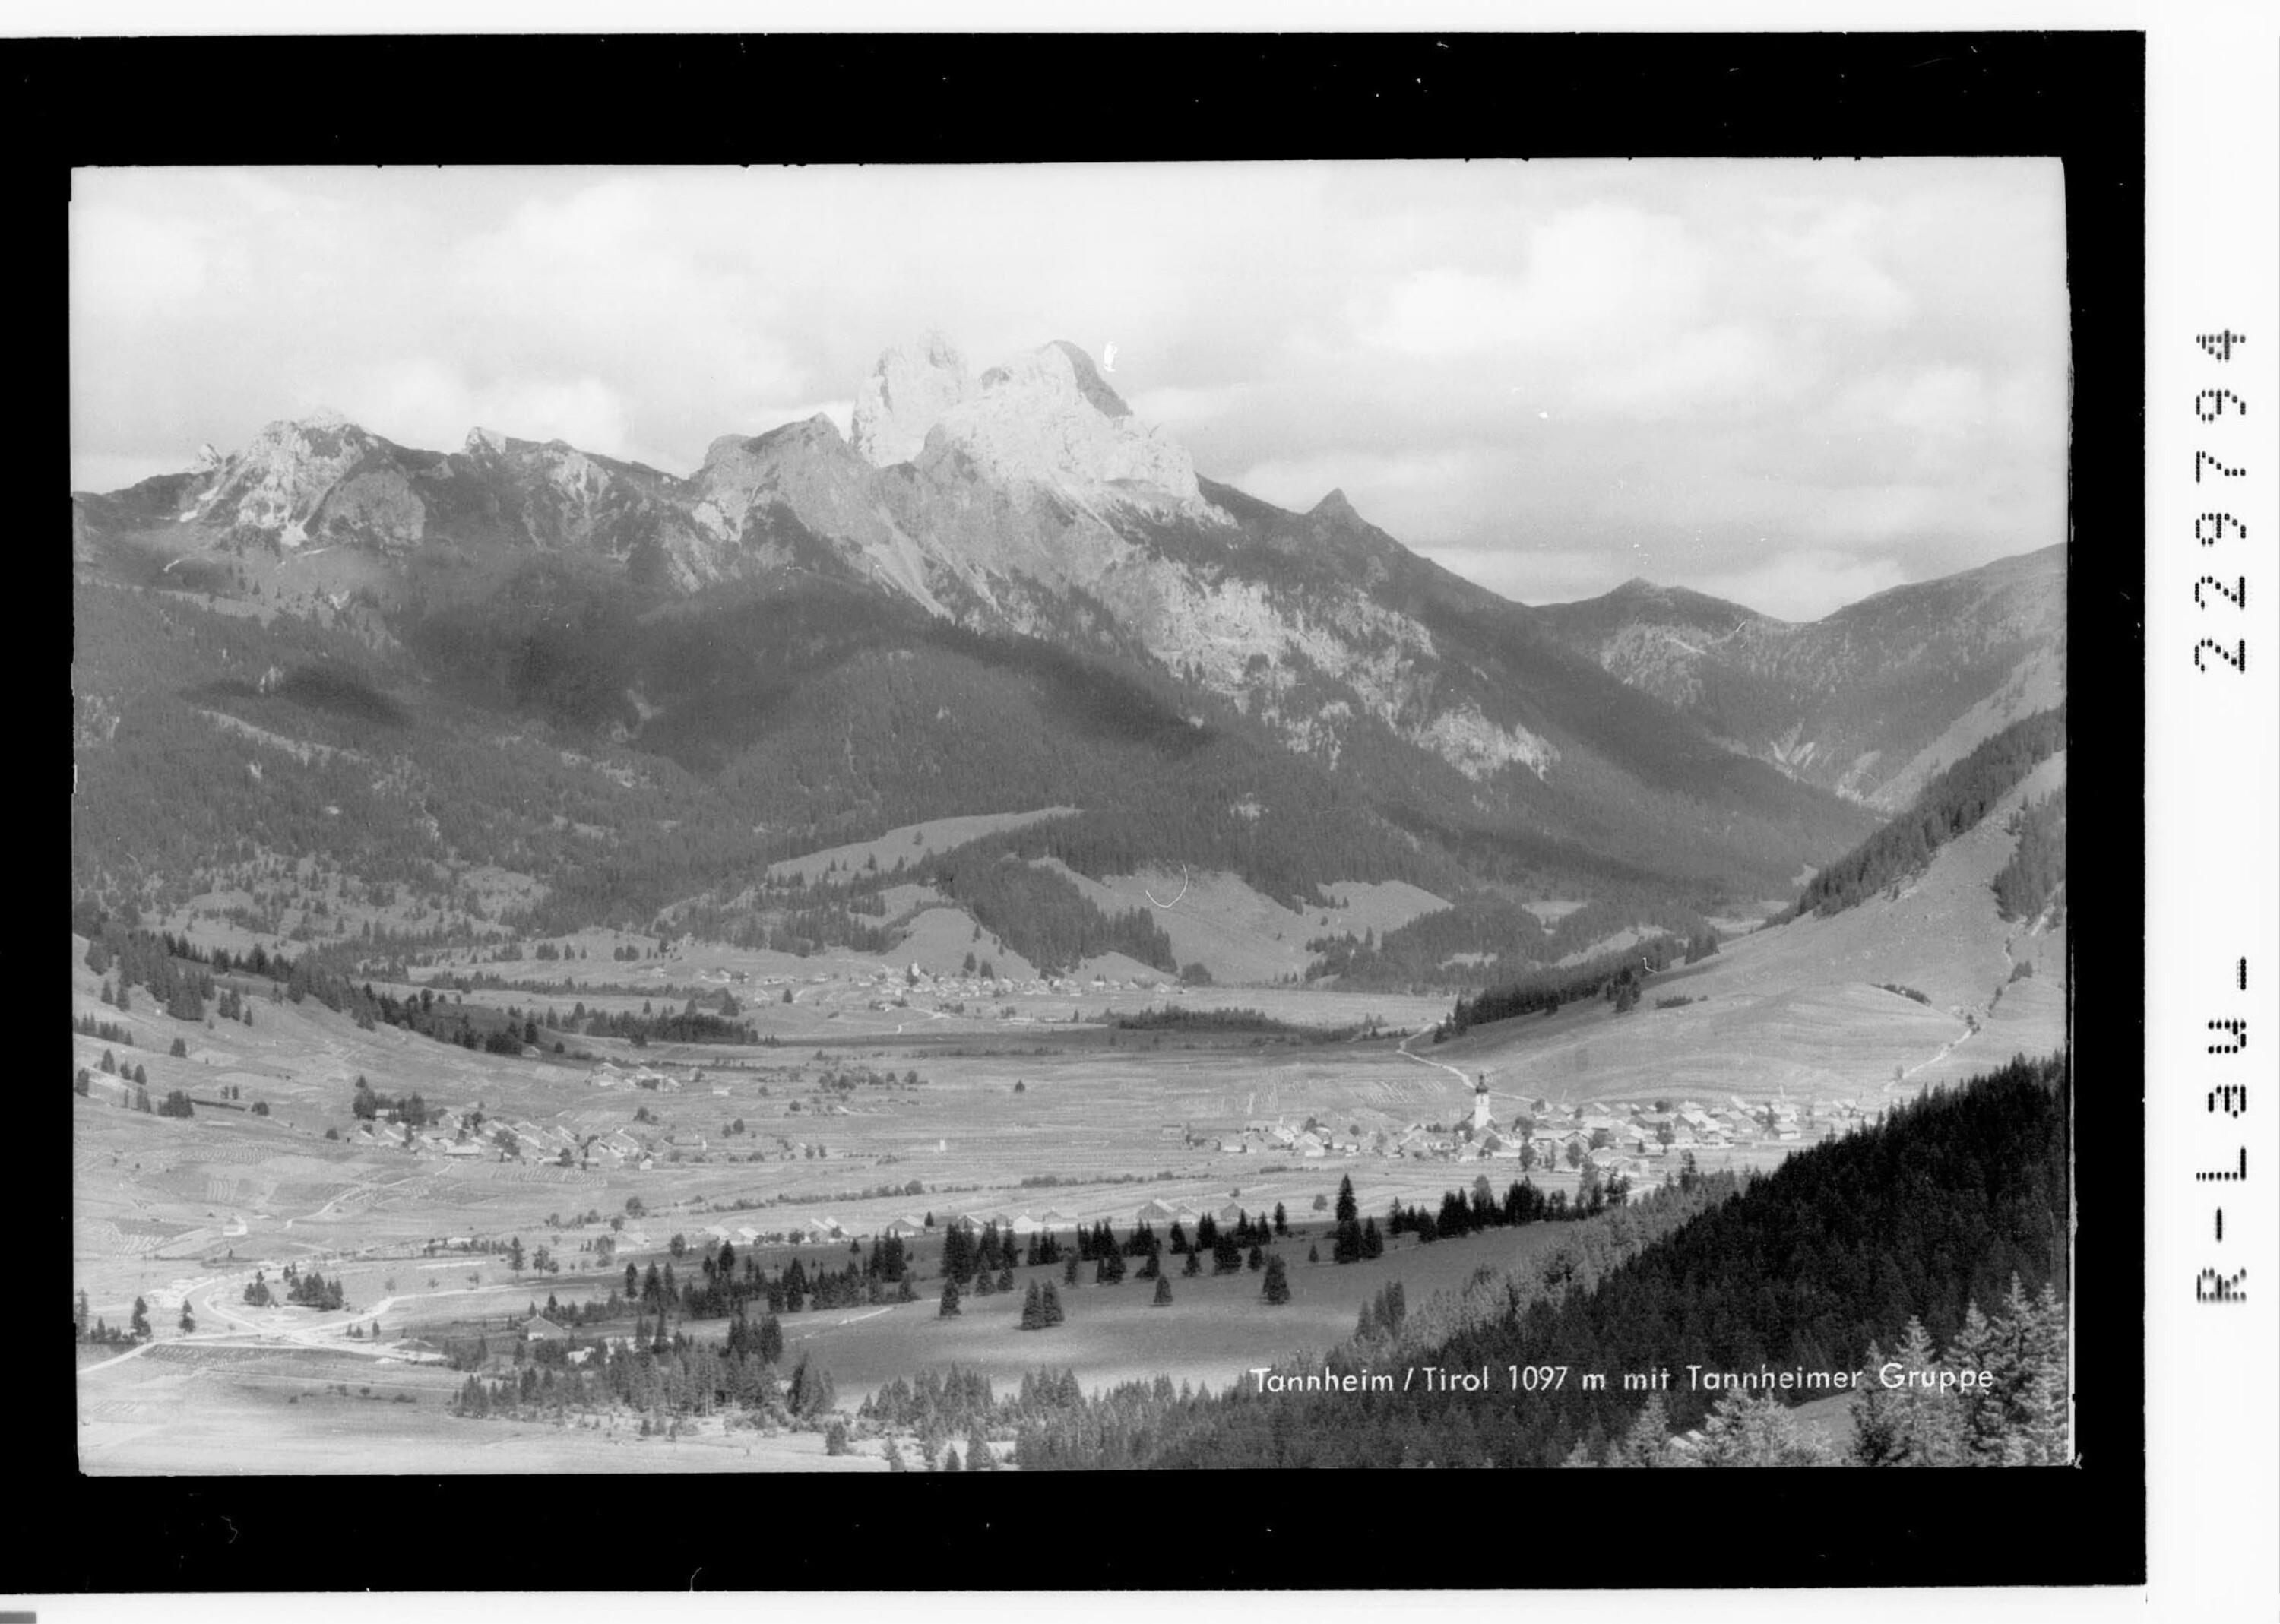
[454, 1136]
[609, 1076]
[1614, 1138]
[894, 984]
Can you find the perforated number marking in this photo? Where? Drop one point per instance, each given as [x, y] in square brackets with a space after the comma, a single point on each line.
[2212, 1287]
[2203, 461]
[2208, 405]
[2238, 597]
[2229, 1175]
[2237, 660]
[2219, 520]
[2231, 1099]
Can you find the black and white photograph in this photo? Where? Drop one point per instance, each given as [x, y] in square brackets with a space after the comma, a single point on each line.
[988, 816]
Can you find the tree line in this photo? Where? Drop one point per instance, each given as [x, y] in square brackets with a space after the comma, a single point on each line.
[1618, 977]
[1951, 804]
[2036, 869]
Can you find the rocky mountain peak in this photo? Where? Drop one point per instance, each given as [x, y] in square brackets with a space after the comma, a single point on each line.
[1334, 506]
[277, 483]
[909, 389]
[1094, 387]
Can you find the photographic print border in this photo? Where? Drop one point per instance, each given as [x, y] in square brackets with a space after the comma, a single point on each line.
[1195, 98]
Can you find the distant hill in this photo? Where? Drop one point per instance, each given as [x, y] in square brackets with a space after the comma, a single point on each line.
[1870, 701]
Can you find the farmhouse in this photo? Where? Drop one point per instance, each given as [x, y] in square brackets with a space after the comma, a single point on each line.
[904, 1229]
[539, 1328]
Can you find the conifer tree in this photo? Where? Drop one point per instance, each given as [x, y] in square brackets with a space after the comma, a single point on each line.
[1927, 1423]
[1193, 1266]
[1746, 1430]
[1647, 1441]
[1050, 1308]
[949, 1309]
[1163, 1298]
[1033, 1309]
[140, 1324]
[1277, 1288]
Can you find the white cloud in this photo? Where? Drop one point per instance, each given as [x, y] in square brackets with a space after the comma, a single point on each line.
[127, 266]
[1726, 367]
[1604, 282]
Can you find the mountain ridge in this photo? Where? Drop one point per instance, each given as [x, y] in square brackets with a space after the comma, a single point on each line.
[1869, 701]
[807, 574]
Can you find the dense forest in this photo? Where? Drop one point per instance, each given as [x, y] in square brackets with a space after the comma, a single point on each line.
[2037, 871]
[1041, 915]
[1951, 804]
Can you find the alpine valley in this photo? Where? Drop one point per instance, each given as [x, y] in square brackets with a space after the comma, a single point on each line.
[969, 817]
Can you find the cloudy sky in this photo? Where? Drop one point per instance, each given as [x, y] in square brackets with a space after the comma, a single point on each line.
[1788, 383]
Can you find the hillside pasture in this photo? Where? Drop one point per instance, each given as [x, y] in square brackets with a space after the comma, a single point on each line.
[908, 842]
